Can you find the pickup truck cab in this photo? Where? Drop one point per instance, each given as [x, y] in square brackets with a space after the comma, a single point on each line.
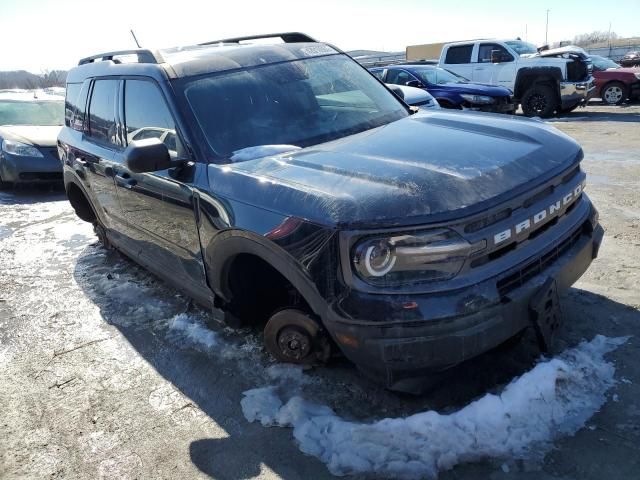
[287, 186]
[544, 83]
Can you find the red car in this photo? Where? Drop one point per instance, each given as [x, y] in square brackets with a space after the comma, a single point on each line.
[614, 84]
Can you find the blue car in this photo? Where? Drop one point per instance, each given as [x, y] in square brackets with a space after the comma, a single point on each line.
[449, 89]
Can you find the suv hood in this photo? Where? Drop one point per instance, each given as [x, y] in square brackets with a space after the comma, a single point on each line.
[41, 136]
[429, 167]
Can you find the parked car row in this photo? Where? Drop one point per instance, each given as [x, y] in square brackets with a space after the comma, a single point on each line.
[499, 75]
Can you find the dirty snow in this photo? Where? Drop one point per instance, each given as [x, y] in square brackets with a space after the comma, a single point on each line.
[555, 398]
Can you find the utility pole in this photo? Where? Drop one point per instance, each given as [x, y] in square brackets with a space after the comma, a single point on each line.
[546, 30]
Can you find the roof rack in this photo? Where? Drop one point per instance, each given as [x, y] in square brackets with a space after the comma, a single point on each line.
[287, 37]
[144, 56]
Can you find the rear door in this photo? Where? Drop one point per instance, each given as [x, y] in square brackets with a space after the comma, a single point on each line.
[459, 59]
[499, 73]
[99, 147]
[159, 206]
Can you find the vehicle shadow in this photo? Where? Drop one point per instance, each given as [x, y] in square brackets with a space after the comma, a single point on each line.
[31, 194]
[215, 384]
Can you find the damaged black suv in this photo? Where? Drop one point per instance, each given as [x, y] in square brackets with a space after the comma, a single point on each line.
[287, 186]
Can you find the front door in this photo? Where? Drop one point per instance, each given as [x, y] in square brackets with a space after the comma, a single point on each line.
[496, 66]
[159, 207]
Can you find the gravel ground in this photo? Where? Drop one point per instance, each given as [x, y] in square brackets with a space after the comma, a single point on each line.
[108, 373]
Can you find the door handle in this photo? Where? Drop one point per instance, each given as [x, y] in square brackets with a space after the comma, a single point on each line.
[479, 68]
[125, 181]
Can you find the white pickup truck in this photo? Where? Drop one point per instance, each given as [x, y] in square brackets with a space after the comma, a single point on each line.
[544, 83]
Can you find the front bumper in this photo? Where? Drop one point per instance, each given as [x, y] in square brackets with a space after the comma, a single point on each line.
[401, 354]
[501, 106]
[21, 169]
[572, 93]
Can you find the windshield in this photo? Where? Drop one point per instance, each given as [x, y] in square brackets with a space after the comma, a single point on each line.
[439, 76]
[14, 112]
[601, 63]
[300, 103]
[522, 48]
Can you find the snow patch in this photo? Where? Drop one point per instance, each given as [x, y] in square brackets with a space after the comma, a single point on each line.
[555, 398]
[194, 331]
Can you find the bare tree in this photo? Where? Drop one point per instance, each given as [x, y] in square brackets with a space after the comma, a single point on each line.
[597, 36]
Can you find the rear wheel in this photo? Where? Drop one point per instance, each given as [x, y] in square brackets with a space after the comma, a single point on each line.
[292, 336]
[539, 101]
[614, 93]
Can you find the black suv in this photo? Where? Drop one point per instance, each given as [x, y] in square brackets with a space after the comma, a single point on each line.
[287, 186]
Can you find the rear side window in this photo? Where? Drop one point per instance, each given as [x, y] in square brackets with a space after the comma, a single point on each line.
[379, 74]
[461, 54]
[102, 116]
[75, 105]
[398, 77]
[147, 115]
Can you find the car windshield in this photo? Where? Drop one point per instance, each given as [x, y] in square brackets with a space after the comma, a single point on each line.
[602, 63]
[522, 48]
[48, 112]
[301, 103]
[439, 76]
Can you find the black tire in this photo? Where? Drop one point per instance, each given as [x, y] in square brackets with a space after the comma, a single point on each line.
[614, 93]
[101, 233]
[539, 101]
[292, 336]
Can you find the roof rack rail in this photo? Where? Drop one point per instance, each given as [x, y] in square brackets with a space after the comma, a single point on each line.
[287, 37]
[144, 56]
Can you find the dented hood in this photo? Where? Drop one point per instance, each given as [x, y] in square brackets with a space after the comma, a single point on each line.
[427, 167]
[556, 52]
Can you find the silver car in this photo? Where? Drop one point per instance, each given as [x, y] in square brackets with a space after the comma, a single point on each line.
[416, 97]
[30, 121]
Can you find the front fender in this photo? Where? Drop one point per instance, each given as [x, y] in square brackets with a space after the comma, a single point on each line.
[224, 247]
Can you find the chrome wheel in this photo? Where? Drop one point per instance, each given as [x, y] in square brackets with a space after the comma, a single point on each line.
[614, 94]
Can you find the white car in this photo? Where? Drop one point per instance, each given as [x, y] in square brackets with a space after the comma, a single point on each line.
[416, 97]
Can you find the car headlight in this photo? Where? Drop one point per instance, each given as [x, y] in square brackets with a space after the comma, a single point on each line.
[428, 255]
[20, 149]
[478, 99]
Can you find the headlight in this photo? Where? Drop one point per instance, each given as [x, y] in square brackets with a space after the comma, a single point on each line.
[478, 99]
[21, 149]
[405, 258]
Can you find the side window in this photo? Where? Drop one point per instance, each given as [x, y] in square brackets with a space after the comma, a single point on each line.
[398, 77]
[488, 49]
[75, 104]
[102, 118]
[147, 115]
[379, 74]
[460, 54]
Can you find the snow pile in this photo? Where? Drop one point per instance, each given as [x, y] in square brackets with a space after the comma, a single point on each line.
[251, 153]
[555, 398]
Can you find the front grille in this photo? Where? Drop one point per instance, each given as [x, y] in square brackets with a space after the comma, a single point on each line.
[535, 267]
[32, 176]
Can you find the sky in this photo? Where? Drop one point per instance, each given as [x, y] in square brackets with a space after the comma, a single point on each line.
[39, 35]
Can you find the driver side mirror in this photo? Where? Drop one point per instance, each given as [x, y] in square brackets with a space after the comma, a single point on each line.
[148, 155]
[414, 83]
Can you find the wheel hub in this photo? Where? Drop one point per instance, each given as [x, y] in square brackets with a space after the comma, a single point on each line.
[613, 94]
[538, 102]
[294, 344]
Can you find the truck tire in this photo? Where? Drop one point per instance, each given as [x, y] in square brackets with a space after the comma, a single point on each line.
[292, 336]
[614, 93]
[539, 101]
